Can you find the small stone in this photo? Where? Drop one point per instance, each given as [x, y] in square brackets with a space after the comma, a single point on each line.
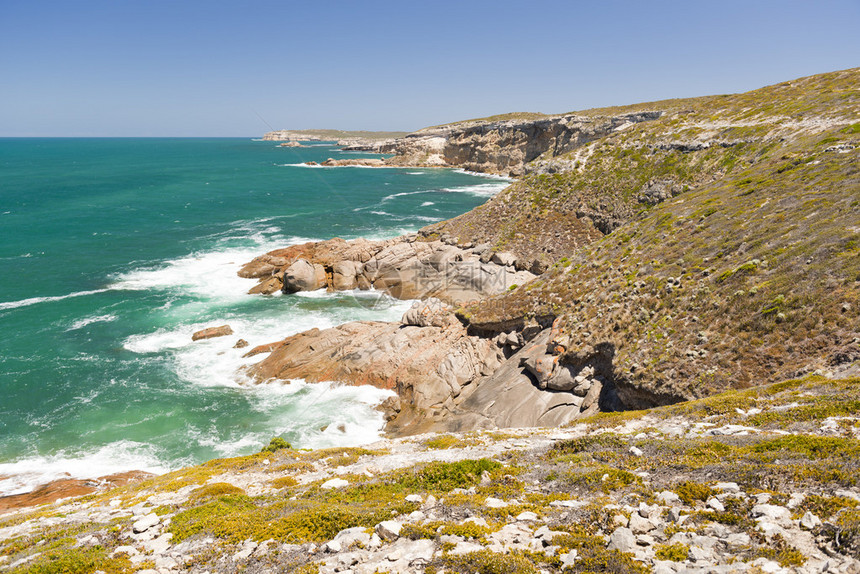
[623, 540]
[527, 516]
[771, 512]
[765, 565]
[334, 483]
[795, 500]
[568, 559]
[620, 520]
[668, 498]
[715, 504]
[645, 540]
[652, 513]
[491, 502]
[145, 523]
[697, 554]
[640, 525]
[388, 529]
[636, 451]
[416, 498]
[430, 502]
[240, 344]
[727, 487]
[809, 521]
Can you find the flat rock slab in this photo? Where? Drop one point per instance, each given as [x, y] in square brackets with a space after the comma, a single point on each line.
[211, 332]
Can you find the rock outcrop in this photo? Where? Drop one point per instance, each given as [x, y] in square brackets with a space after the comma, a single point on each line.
[445, 378]
[505, 146]
[406, 268]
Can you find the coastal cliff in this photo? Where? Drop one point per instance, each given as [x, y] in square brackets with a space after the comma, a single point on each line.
[666, 251]
[712, 251]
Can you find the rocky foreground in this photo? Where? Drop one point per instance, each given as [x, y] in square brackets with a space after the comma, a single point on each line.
[764, 480]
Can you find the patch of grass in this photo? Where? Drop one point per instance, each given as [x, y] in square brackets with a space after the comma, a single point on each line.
[444, 441]
[689, 492]
[824, 506]
[675, 552]
[487, 562]
[446, 476]
[593, 554]
[844, 532]
[808, 446]
[276, 444]
[214, 490]
[284, 482]
[781, 551]
[585, 443]
[76, 561]
[606, 478]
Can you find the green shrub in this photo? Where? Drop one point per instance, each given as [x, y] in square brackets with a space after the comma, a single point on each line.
[447, 476]
[213, 490]
[486, 562]
[690, 491]
[675, 552]
[76, 561]
[276, 444]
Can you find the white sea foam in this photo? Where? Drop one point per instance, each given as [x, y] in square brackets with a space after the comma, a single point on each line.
[26, 474]
[404, 193]
[209, 275]
[318, 166]
[81, 323]
[484, 175]
[301, 411]
[427, 204]
[480, 190]
[35, 300]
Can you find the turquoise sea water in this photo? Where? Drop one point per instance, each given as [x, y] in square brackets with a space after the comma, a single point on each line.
[113, 251]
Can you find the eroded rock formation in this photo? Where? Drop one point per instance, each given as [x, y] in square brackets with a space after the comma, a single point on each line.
[406, 267]
[444, 377]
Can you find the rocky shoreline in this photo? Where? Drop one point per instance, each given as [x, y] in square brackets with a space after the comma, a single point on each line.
[446, 376]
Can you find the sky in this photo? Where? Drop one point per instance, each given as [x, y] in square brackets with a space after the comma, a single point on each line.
[208, 68]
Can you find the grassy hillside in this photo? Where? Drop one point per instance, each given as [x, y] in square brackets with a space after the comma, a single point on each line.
[732, 248]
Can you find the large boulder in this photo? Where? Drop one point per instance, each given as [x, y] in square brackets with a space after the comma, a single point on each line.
[429, 313]
[345, 275]
[303, 275]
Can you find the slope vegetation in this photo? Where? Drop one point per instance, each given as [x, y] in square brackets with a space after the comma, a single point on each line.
[731, 254]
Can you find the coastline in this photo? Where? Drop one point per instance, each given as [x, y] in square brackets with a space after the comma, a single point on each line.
[194, 272]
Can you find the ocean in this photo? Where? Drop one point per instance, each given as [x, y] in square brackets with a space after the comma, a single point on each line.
[114, 251]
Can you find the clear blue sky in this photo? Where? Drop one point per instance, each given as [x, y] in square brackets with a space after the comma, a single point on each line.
[215, 68]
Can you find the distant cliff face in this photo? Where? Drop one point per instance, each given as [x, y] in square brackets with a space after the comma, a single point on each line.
[506, 146]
